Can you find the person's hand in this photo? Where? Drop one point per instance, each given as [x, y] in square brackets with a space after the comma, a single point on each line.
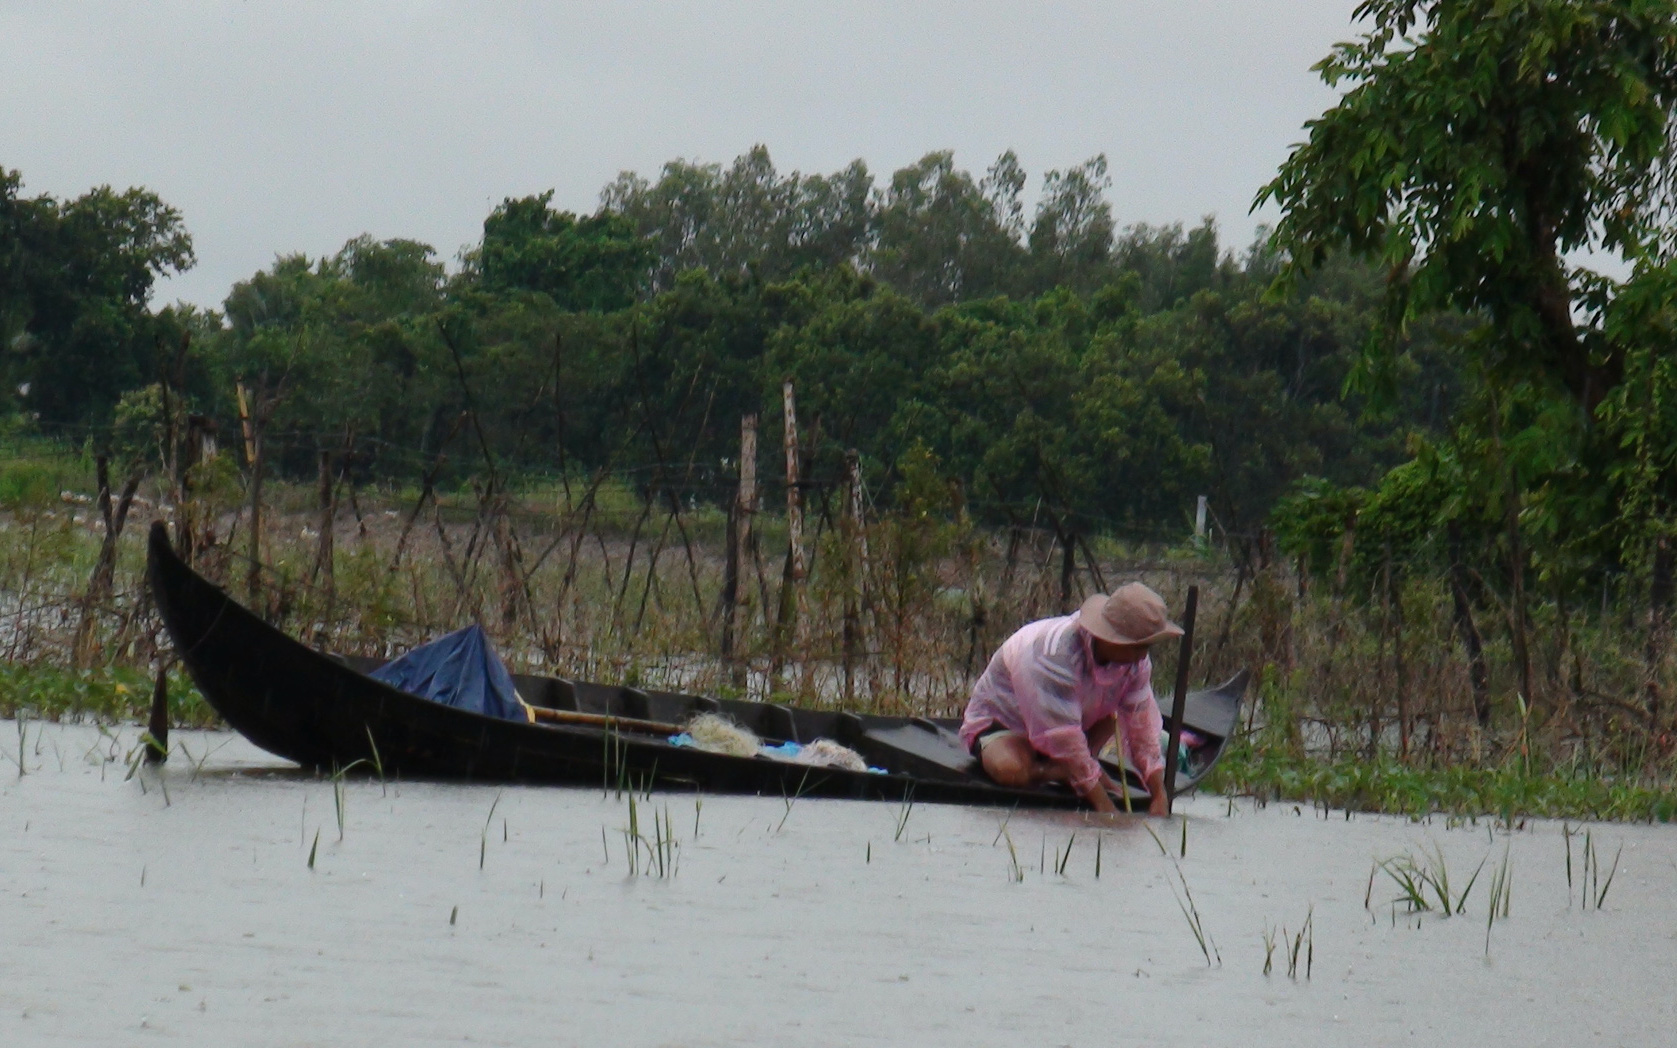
[1101, 800]
[1159, 801]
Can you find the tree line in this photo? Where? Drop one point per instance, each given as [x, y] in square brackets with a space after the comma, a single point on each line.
[1059, 371]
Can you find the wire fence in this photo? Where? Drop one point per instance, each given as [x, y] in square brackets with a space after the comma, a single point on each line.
[643, 574]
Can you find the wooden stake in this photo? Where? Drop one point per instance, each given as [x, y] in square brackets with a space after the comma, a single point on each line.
[244, 424]
[328, 505]
[739, 545]
[857, 551]
[1179, 705]
[157, 746]
[793, 618]
[794, 497]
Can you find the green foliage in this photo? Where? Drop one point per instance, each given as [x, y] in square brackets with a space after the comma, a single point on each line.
[941, 237]
[1475, 145]
[588, 264]
[748, 220]
[1122, 374]
[138, 427]
[106, 694]
[1475, 148]
[1388, 785]
[34, 471]
[75, 276]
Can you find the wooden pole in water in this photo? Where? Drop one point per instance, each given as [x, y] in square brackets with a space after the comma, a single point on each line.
[739, 548]
[857, 554]
[1181, 701]
[792, 618]
[157, 730]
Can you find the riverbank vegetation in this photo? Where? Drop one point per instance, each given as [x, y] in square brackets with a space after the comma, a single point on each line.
[833, 437]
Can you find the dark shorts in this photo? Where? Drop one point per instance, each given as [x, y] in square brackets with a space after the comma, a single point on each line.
[978, 741]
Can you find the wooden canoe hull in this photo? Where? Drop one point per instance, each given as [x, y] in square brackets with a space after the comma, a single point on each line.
[324, 712]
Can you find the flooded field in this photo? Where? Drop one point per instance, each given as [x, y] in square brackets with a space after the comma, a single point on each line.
[230, 899]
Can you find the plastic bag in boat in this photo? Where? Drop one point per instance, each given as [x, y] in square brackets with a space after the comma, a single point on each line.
[459, 670]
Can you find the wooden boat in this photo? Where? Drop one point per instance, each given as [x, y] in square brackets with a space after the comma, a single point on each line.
[322, 711]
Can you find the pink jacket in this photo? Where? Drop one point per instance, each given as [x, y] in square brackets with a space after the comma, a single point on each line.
[1045, 685]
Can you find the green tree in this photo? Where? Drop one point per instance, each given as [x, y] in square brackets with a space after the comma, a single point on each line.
[748, 219]
[940, 237]
[75, 282]
[1479, 143]
[1071, 236]
[596, 262]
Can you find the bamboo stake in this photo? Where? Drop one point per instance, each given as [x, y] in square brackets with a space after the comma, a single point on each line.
[739, 546]
[1179, 705]
[793, 610]
[857, 551]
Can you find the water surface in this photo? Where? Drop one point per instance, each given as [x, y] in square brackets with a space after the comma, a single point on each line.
[178, 906]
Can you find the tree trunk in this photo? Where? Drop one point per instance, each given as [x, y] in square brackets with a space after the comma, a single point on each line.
[1068, 568]
[322, 575]
[1517, 583]
[1477, 674]
[1659, 621]
[253, 448]
[104, 568]
[1394, 605]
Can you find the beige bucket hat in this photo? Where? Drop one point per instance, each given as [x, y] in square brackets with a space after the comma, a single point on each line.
[1133, 614]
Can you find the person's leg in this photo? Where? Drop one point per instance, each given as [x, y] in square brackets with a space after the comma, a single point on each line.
[1010, 759]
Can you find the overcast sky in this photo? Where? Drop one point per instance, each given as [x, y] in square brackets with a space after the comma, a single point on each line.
[280, 127]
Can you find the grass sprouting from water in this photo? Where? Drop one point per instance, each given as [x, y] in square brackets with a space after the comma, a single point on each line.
[483, 838]
[661, 850]
[22, 739]
[1424, 883]
[1592, 891]
[1502, 894]
[1296, 945]
[338, 798]
[1185, 903]
[1015, 872]
[378, 762]
[1061, 858]
[803, 783]
[903, 813]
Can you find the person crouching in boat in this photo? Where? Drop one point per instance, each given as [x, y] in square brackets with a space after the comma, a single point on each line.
[1056, 692]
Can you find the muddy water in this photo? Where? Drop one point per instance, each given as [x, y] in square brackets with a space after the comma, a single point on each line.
[180, 908]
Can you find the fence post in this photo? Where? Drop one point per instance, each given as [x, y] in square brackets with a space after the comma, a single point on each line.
[856, 543]
[793, 617]
[253, 455]
[739, 547]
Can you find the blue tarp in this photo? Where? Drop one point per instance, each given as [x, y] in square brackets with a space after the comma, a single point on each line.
[459, 670]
